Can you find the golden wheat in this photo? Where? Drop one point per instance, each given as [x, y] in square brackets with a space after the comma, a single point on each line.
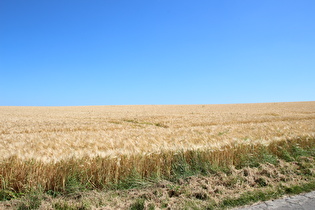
[98, 145]
[55, 133]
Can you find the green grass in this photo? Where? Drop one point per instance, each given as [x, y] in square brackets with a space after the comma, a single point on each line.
[138, 204]
[31, 201]
[264, 195]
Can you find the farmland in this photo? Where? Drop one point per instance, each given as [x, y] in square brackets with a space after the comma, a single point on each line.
[54, 133]
[98, 146]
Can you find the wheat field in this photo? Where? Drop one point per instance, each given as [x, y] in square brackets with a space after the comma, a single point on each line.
[54, 133]
[45, 145]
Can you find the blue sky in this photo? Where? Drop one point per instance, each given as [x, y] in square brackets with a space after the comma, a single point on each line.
[112, 52]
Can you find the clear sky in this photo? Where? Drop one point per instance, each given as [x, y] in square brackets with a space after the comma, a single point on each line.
[121, 52]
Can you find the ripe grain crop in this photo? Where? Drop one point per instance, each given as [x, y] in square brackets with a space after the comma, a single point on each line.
[98, 145]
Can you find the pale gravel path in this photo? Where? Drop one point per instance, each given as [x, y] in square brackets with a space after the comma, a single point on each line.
[305, 201]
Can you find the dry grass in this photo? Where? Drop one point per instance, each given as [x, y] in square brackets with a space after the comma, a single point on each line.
[102, 144]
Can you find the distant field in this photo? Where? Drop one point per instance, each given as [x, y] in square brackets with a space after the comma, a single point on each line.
[55, 133]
